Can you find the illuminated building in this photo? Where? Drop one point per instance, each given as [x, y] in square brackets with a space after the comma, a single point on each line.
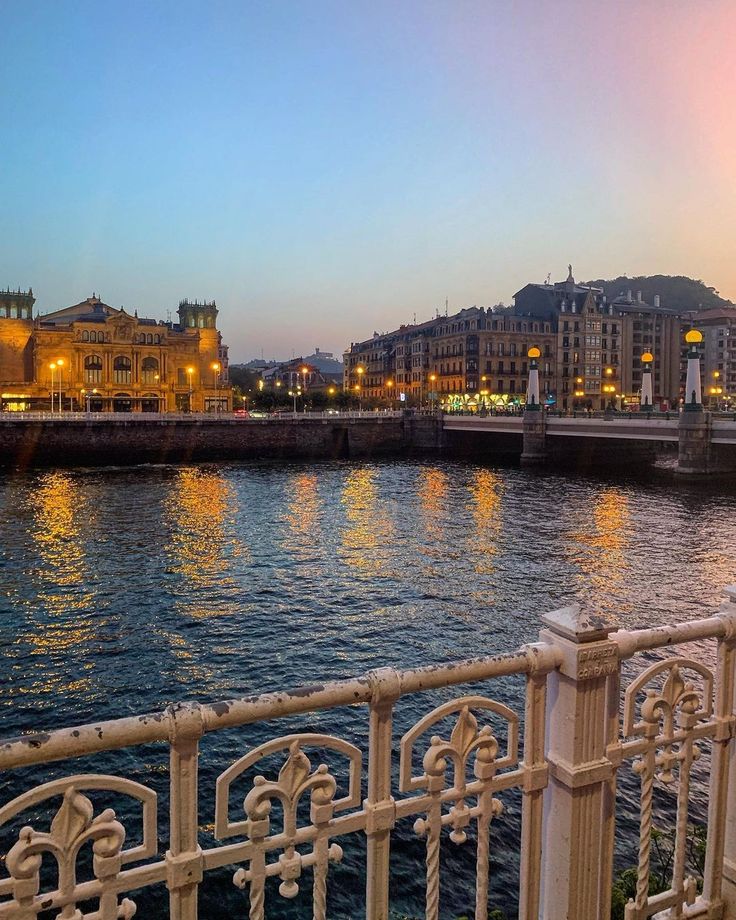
[94, 357]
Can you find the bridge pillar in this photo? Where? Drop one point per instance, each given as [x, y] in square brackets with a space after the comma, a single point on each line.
[693, 456]
[534, 449]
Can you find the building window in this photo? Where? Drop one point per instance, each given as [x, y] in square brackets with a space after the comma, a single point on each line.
[121, 369]
[93, 369]
[85, 336]
[149, 370]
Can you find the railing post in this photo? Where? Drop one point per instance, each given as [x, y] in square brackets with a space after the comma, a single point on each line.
[720, 864]
[576, 834]
[184, 857]
[380, 806]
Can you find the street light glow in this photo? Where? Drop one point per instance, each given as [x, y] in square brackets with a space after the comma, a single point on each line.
[693, 337]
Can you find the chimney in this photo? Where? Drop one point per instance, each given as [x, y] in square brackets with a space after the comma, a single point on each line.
[629, 297]
[638, 296]
[656, 300]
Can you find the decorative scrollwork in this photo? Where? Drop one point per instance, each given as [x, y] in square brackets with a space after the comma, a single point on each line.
[74, 825]
[668, 718]
[296, 778]
[467, 742]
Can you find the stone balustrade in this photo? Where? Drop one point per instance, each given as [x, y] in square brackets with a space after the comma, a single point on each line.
[584, 720]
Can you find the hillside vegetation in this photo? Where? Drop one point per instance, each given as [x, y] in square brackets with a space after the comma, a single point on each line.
[676, 291]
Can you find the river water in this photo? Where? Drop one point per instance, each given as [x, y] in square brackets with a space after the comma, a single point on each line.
[126, 589]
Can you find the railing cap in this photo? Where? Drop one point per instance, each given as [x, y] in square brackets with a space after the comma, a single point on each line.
[577, 625]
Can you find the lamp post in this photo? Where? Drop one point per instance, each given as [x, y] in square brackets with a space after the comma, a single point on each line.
[60, 365]
[432, 394]
[190, 371]
[294, 394]
[52, 367]
[693, 394]
[304, 370]
[360, 371]
[216, 375]
[532, 390]
[390, 388]
[647, 398]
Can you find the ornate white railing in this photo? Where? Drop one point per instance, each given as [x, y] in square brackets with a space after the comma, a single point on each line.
[582, 721]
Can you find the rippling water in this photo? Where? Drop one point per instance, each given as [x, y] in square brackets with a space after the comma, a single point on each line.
[126, 589]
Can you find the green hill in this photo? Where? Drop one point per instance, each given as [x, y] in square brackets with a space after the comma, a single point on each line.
[676, 291]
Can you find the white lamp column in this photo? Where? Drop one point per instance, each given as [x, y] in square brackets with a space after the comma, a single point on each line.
[532, 392]
[646, 381]
[693, 392]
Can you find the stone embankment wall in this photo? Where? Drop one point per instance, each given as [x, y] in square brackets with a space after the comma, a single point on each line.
[80, 442]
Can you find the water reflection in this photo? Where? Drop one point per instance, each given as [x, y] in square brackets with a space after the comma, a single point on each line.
[302, 513]
[200, 513]
[366, 539]
[486, 490]
[600, 551]
[59, 512]
[433, 486]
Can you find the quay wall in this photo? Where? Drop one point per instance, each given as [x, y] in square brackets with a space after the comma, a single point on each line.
[25, 443]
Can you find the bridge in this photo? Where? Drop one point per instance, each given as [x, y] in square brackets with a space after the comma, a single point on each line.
[704, 440]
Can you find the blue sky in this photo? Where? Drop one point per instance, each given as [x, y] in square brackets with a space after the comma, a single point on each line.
[325, 169]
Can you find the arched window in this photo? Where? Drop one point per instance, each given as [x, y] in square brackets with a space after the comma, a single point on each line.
[149, 370]
[157, 339]
[93, 369]
[85, 336]
[149, 339]
[121, 369]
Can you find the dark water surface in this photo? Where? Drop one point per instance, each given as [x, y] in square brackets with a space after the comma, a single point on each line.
[126, 589]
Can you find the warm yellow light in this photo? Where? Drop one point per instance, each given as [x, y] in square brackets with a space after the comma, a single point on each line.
[190, 370]
[712, 391]
[389, 383]
[215, 366]
[609, 371]
[305, 370]
[331, 391]
[534, 352]
[578, 380]
[716, 374]
[357, 386]
[60, 362]
[278, 383]
[52, 366]
[359, 370]
[647, 357]
[432, 377]
[693, 336]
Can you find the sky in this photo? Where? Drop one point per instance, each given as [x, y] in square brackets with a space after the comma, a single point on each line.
[324, 170]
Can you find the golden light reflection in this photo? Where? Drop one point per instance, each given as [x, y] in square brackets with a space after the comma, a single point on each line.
[303, 508]
[200, 512]
[59, 510]
[600, 550]
[486, 489]
[433, 487]
[367, 538]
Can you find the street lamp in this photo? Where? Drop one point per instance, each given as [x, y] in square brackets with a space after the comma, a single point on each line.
[360, 371]
[190, 371]
[646, 380]
[52, 367]
[432, 395]
[532, 392]
[60, 365]
[216, 373]
[390, 388]
[693, 395]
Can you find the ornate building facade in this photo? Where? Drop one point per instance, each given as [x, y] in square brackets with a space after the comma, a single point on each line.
[95, 357]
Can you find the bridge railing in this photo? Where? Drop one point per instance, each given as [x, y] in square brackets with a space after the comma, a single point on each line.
[153, 417]
[581, 721]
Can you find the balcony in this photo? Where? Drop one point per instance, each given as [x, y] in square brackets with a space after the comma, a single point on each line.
[595, 706]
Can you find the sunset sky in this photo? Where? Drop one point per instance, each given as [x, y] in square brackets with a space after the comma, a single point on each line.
[326, 169]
